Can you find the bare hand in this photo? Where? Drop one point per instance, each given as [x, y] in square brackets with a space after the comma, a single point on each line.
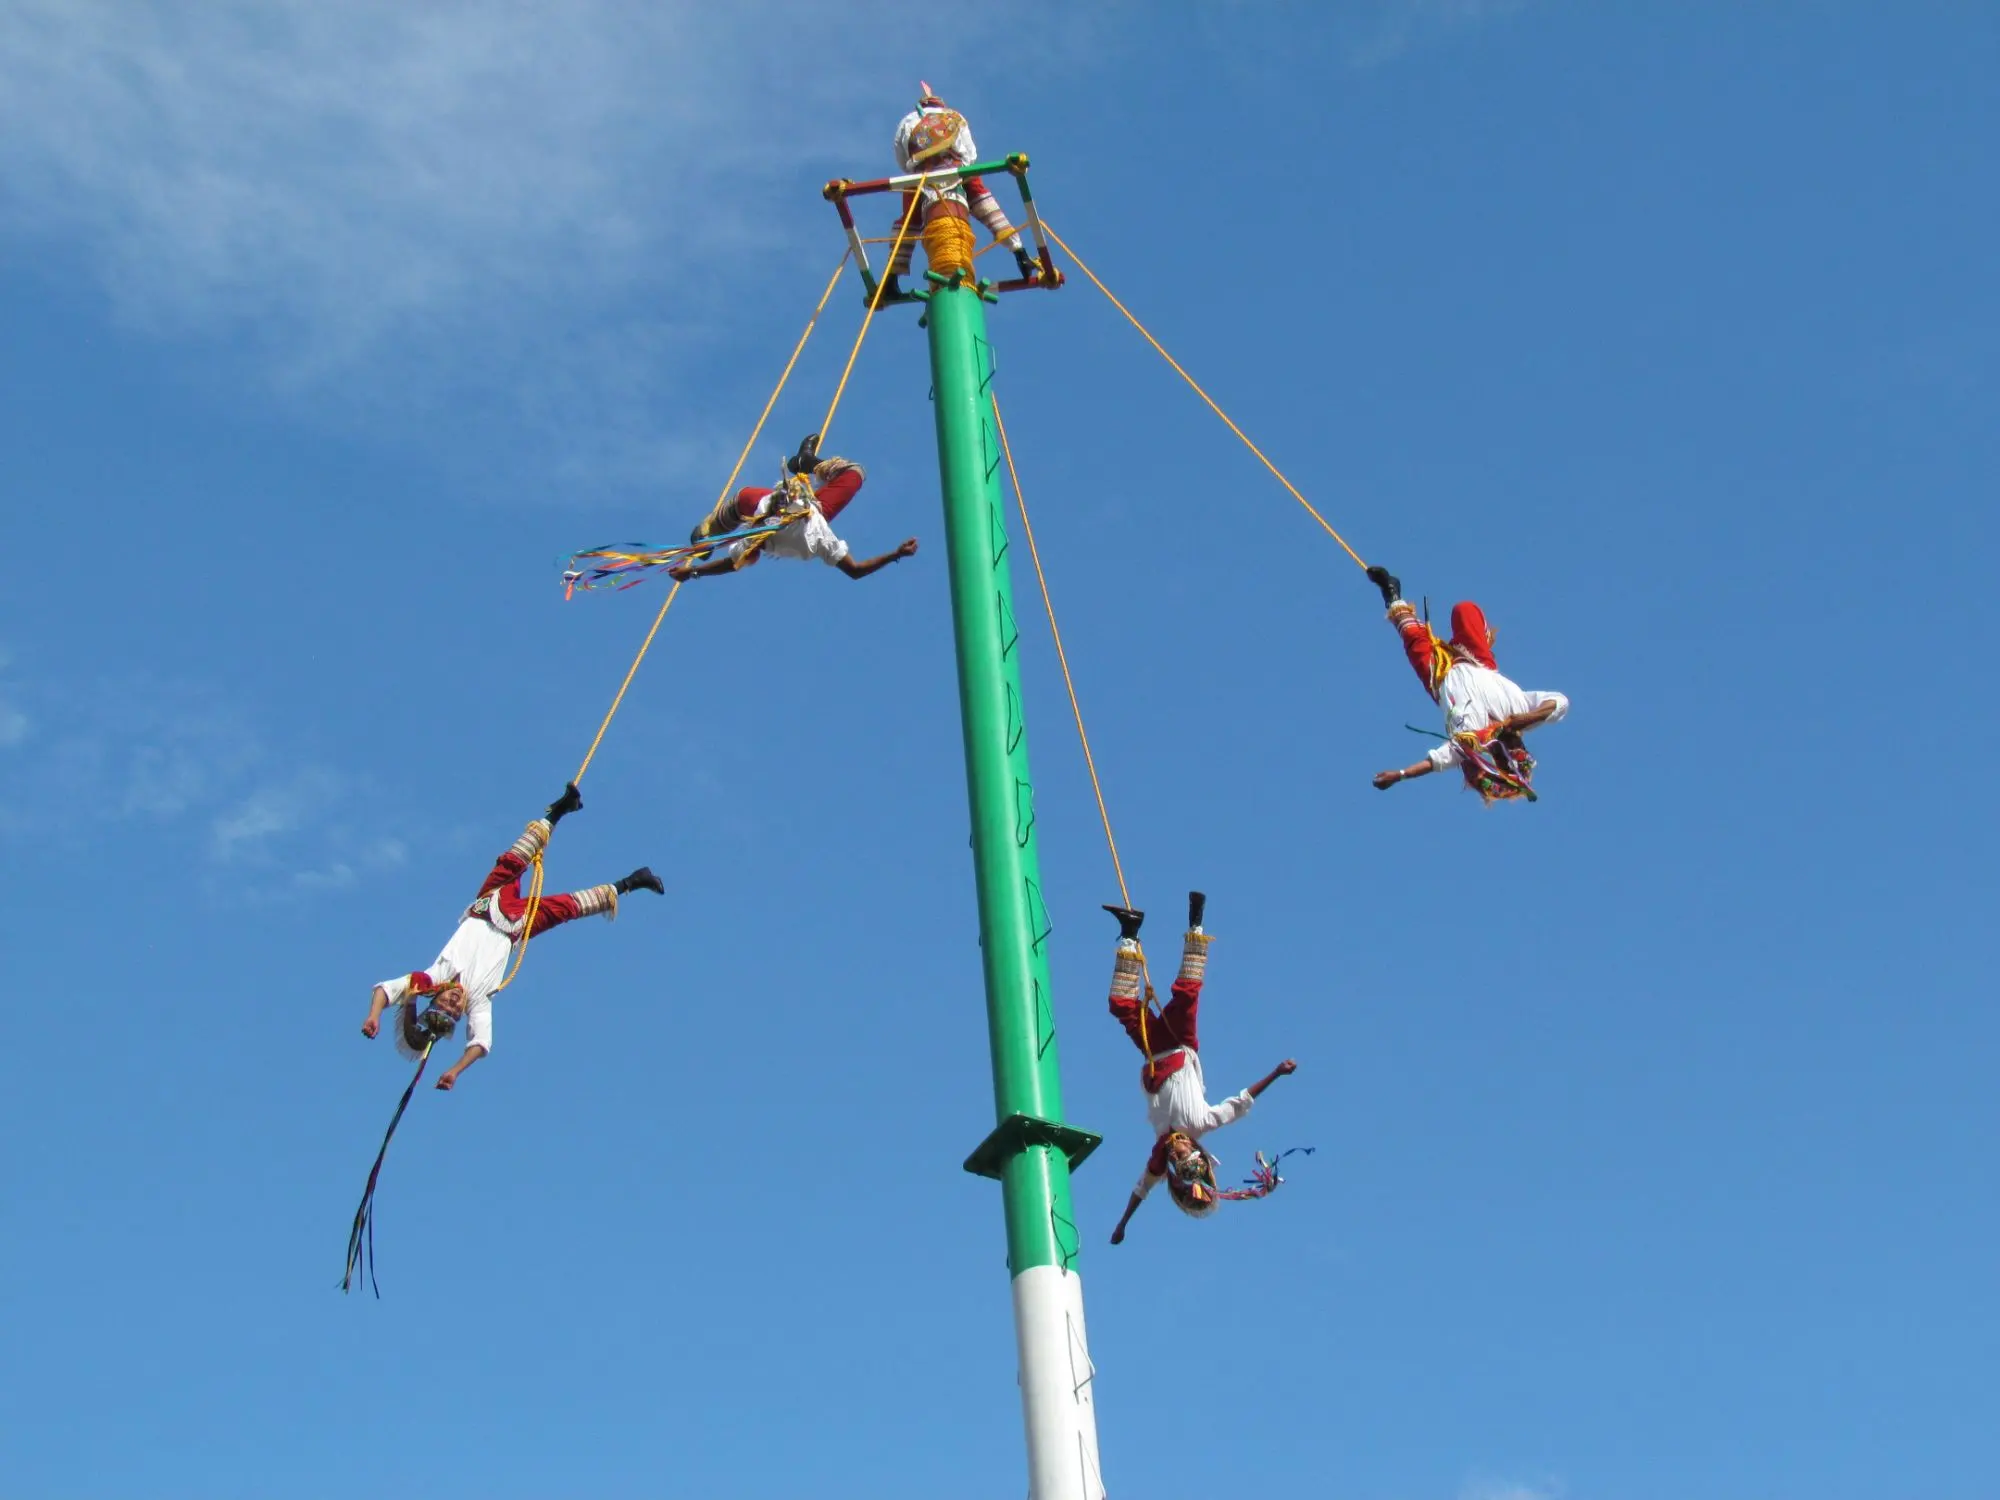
[681, 572]
[448, 1082]
[370, 1027]
[1287, 1067]
[1386, 779]
[1118, 1235]
[908, 549]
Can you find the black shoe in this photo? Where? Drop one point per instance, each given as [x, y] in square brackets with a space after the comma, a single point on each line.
[891, 289]
[570, 801]
[1128, 921]
[1197, 904]
[641, 879]
[1030, 267]
[1390, 585]
[803, 461]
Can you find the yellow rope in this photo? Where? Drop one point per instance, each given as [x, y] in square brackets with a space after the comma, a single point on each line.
[949, 245]
[778, 389]
[630, 672]
[527, 923]
[535, 880]
[1076, 712]
[902, 233]
[993, 244]
[1196, 387]
[1062, 656]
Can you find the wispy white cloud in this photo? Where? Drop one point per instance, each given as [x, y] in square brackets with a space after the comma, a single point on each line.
[347, 170]
[351, 862]
[338, 876]
[1511, 1489]
[122, 749]
[247, 829]
[1405, 25]
[532, 216]
[192, 774]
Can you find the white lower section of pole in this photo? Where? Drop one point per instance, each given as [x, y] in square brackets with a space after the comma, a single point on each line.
[1058, 1400]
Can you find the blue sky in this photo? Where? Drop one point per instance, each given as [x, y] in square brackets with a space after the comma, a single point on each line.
[1652, 1120]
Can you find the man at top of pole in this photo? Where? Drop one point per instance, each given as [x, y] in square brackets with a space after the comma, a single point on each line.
[1177, 1104]
[934, 137]
[1485, 714]
[791, 519]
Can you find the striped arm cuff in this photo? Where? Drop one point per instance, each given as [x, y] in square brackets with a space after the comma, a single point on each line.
[830, 468]
[533, 840]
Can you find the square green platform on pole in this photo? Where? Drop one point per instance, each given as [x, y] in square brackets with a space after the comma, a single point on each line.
[1017, 1132]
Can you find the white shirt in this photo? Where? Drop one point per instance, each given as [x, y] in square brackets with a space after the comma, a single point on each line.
[477, 958]
[1473, 696]
[808, 537]
[1181, 1103]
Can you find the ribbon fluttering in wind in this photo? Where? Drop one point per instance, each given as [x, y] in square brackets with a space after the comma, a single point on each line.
[623, 565]
[1264, 1181]
[361, 1239]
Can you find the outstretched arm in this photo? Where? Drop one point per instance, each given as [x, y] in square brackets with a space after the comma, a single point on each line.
[377, 1003]
[1131, 1208]
[685, 571]
[1541, 713]
[1283, 1068]
[869, 565]
[1386, 779]
[450, 1079]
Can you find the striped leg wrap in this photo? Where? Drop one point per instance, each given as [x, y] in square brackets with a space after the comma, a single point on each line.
[831, 468]
[899, 265]
[598, 900]
[533, 840]
[986, 208]
[1126, 970]
[1194, 956]
[725, 517]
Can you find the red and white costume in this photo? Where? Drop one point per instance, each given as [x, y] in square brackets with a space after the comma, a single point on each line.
[477, 955]
[1176, 1097]
[1462, 677]
[970, 195]
[833, 483]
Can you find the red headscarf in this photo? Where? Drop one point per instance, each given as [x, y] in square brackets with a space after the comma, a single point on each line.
[1471, 634]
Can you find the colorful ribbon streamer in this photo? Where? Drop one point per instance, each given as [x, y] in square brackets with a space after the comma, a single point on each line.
[1264, 1181]
[624, 565]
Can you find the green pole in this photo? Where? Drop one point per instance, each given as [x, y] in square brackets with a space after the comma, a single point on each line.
[1031, 1149]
